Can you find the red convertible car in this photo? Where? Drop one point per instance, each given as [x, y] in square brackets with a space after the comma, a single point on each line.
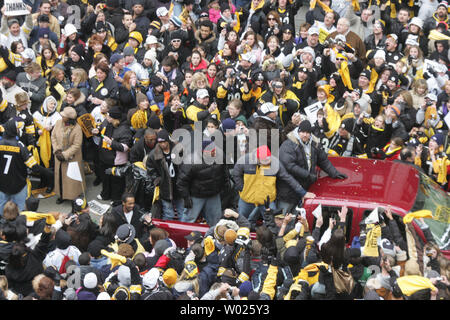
[370, 184]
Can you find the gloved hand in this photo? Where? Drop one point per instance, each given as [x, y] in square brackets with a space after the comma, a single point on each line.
[108, 171]
[188, 202]
[59, 155]
[274, 261]
[267, 203]
[53, 82]
[341, 176]
[168, 251]
[312, 177]
[53, 274]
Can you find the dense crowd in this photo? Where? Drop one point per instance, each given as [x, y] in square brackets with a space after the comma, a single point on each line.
[120, 90]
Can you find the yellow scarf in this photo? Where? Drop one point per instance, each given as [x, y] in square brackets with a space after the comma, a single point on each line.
[417, 214]
[333, 119]
[371, 246]
[33, 216]
[139, 119]
[344, 72]
[321, 4]
[412, 284]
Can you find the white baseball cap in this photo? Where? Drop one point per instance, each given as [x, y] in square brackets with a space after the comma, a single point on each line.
[162, 11]
[202, 93]
[268, 107]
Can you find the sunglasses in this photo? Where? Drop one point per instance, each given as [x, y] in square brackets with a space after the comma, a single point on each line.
[287, 32]
[271, 18]
[340, 59]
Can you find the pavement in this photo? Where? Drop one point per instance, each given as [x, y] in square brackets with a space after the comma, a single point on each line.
[49, 204]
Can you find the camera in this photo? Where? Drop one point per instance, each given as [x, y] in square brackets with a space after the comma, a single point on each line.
[329, 43]
[429, 103]
[232, 73]
[375, 150]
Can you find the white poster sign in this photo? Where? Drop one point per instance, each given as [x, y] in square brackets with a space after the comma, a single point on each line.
[15, 8]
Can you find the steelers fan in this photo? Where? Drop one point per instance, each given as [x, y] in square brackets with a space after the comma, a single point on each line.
[14, 161]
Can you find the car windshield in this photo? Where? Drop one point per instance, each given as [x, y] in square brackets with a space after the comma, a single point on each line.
[431, 197]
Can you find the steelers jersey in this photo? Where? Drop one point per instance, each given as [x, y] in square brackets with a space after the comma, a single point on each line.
[14, 160]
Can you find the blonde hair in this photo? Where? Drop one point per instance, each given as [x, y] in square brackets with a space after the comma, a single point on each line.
[421, 83]
[10, 211]
[198, 76]
[80, 76]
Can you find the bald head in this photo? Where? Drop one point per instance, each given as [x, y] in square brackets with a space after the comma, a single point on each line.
[343, 25]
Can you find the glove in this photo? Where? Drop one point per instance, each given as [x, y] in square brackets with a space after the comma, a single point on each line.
[59, 155]
[53, 82]
[312, 177]
[188, 203]
[168, 251]
[341, 176]
[274, 261]
[108, 171]
[53, 274]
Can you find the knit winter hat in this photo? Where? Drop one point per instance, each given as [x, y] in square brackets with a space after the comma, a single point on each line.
[170, 277]
[228, 124]
[62, 239]
[90, 280]
[124, 276]
[438, 138]
[380, 54]
[245, 288]
[161, 246]
[79, 50]
[115, 113]
[154, 122]
[128, 51]
[115, 57]
[241, 118]
[151, 279]
[103, 296]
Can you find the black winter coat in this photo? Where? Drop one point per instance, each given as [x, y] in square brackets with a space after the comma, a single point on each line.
[201, 180]
[293, 158]
[19, 280]
[157, 167]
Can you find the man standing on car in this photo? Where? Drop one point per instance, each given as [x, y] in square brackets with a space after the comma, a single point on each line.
[300, 156]
[164, 173]
[200, 184]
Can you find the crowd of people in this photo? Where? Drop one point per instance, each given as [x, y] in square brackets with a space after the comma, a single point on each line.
[105, 88]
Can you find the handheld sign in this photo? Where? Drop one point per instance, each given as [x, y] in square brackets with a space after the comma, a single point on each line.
[373, 217]
[311, 112]
[87, 123]
[15, 8]
[317, 211]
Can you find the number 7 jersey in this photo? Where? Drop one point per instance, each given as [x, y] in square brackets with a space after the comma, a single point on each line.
[14, 160]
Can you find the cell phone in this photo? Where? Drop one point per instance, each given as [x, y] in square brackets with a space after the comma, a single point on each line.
[301, 212]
